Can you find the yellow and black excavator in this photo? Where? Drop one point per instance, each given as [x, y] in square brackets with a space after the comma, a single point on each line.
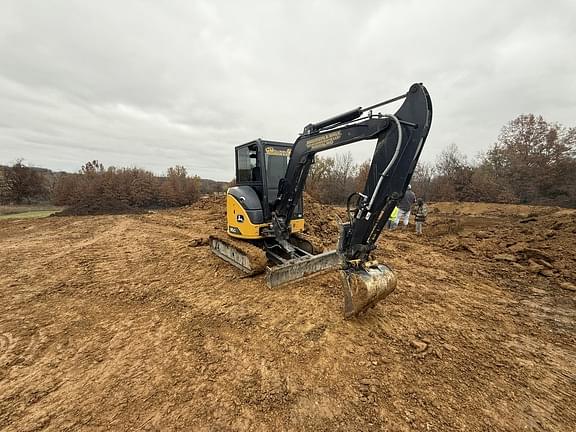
[265, 214]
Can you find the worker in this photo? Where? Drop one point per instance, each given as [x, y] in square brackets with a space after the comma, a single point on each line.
[421, 213]
[404, 207]
[392, 219]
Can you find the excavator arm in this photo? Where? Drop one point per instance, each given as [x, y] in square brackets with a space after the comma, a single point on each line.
[395, 157]
[305, 148]
[400, 138]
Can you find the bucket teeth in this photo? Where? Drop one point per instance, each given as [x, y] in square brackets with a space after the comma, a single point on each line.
[364, 287]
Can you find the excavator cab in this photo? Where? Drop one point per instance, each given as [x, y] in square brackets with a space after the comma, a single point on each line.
[260, 165]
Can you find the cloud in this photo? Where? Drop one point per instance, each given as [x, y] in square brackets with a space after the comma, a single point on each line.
[159, 83]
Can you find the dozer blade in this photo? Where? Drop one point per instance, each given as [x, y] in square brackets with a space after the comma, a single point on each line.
[364, 287]
[301, 267]
[247, 257]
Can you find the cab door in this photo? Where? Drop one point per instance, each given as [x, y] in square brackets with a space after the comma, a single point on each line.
[249, 165]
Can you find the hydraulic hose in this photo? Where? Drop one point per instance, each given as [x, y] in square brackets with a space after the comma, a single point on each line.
[388, 167]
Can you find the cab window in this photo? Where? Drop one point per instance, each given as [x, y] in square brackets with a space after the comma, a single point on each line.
[247, 158]
[276, 159]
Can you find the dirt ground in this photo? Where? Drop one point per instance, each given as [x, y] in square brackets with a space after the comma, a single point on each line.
[128, 322]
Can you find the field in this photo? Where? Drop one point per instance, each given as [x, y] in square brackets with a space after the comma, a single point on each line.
[128, 322]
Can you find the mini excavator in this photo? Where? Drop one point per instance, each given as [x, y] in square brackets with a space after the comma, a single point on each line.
[265, 213]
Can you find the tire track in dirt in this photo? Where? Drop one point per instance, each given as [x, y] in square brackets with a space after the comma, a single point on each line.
[7, 343]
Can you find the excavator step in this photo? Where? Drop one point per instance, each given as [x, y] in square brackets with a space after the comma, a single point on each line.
[301, 267]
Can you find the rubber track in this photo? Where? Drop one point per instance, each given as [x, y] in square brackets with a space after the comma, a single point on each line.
[256, 256]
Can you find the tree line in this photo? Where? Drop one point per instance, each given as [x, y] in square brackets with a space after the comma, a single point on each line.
[532, 162]
[22, 184]
[96, 188]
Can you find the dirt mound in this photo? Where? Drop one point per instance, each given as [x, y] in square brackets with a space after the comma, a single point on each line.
[539, 243]
[322, 221]
[214, 203]
[104, 208]
[444, 226]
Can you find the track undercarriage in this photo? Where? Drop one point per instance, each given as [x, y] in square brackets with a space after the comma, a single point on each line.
[266, 256]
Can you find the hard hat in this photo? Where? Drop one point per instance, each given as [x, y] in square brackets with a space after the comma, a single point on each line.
[409, 186]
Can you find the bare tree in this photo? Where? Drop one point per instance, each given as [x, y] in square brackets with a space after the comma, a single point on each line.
[5, 186]
[422, 179]
[454, 175]
[362, 176]
[179, 189]
[96, 189]
[320, 170]
[332, 179]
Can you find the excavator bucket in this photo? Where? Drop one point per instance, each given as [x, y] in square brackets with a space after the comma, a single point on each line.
[364, 286]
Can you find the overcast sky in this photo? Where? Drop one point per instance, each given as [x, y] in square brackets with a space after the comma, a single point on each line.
[155, 83]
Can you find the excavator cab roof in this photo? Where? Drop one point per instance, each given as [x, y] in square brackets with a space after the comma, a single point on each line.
[261, 144]
[251, 155]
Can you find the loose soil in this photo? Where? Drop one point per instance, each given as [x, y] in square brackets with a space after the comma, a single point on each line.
[128, 322]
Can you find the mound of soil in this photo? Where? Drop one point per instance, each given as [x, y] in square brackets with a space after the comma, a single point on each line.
[215, 203]
[104, 208]
[539, 243]
[322, 221]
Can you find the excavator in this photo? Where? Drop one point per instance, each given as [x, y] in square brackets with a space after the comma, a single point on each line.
[265, 212]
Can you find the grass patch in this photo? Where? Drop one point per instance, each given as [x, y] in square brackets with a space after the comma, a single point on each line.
[28, 214]
[25, 208]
